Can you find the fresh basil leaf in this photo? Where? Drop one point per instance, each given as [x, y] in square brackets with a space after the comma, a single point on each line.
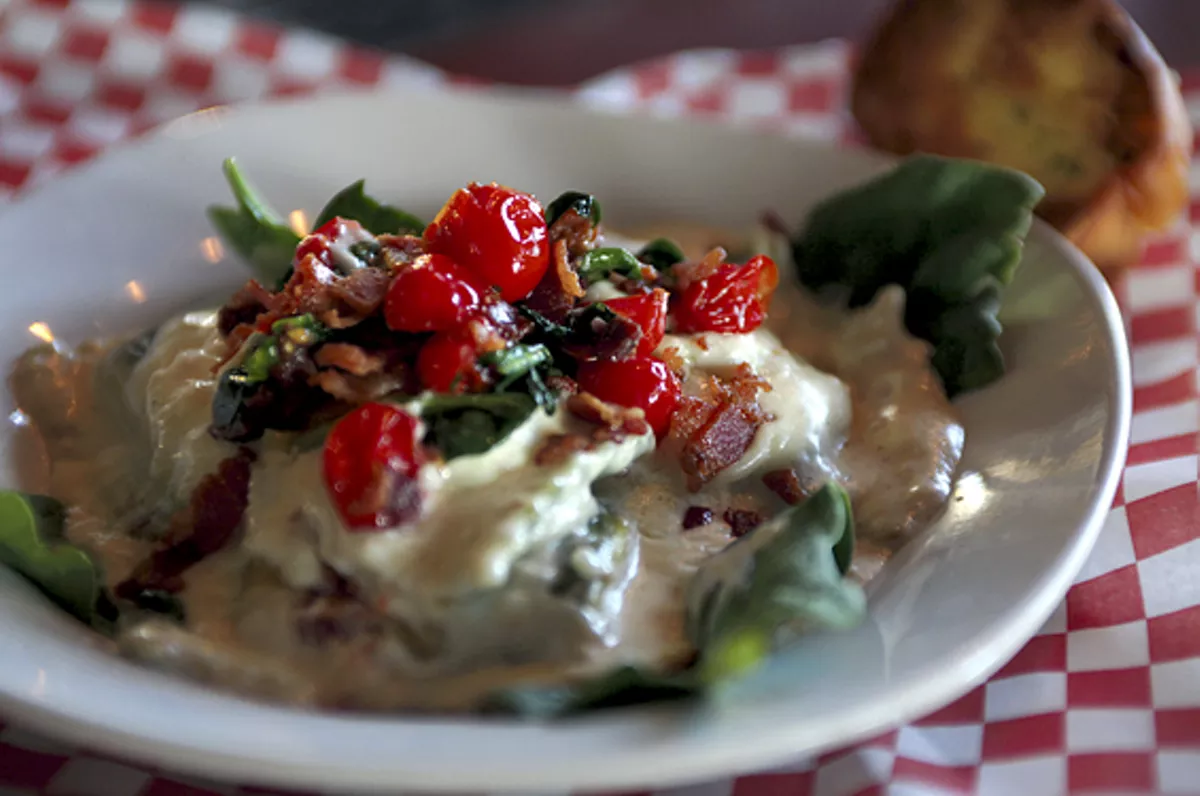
[621, 687]
[255, 231]
[950, 232]
[780, 581]
[32, 544]
[586, 205]
[599, 263]
[353, 203]
[661, 253]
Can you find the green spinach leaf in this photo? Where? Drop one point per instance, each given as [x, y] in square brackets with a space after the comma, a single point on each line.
[780, 581]
[586, 205]
[255, 231]
[33, 545]
[352, 202]
[950, 232]
[466, 425]
[661, 253]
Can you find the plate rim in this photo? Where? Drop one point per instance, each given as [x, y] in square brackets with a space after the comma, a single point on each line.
[991, 651]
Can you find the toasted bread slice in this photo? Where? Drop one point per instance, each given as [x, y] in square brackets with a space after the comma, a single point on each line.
[1068, 91]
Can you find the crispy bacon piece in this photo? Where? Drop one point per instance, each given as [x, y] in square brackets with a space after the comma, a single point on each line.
[251, 300]
[630, 420]
[742, 521]
[559, 290]
[399, 251]
[576, 231]
[208, 523]
[353, 389]
[349, 358]
[718, 426]
[686, 273]
[557, 448]
[355, 298]
[788, 485]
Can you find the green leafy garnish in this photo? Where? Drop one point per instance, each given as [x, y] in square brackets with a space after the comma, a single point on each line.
[466, 425]
[950, 232]
[661, 253]
[353, 203]
[32, 544]
[599, 263]
[254, 230]
[586, 205]
[782, 580]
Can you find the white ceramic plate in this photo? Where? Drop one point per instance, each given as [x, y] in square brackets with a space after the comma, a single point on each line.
[1044, 445]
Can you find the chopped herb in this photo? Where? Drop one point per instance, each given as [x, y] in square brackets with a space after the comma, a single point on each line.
[599, 263]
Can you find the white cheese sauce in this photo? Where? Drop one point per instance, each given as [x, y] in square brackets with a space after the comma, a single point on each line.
[472, 598]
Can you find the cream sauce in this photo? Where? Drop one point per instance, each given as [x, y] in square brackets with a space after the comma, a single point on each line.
[459, 606]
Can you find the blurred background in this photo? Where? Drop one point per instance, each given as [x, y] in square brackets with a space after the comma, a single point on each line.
[560, 42]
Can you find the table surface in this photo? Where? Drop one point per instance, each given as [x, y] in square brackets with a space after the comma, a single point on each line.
[1106, 698]
[561, 42]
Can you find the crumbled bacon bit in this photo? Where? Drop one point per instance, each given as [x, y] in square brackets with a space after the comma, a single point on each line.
[358, 389]
[630, 420]
[701, 342]
[349, 358]
[557, 448]
[787, 484]
[718, 425]
[251, 300]
[207, 524]
[559, 290]
[696, 516]
[355, 298]
[398, 251]
[673, 360]
[575, 231]
[687, 273]
[602, 336]
[742, 521]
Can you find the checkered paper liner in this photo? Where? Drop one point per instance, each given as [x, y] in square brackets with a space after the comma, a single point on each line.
[1106, 698]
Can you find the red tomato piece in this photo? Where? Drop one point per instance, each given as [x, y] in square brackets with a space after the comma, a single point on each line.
[734, 299]
[448, 362]
[370, 464]
[649, 312]
[431, 295]
[496, 233]
[642, 382]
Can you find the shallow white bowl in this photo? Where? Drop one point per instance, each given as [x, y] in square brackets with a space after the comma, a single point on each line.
[1044, 445]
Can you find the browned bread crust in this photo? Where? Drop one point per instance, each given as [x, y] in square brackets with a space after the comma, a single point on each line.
[1069, 91]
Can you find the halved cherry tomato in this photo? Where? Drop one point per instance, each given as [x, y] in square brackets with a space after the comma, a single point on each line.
[448, 362]
[431, 295]
[734, 299]
[496, 233]
[642, 382]
[370, 464]
[649, 312]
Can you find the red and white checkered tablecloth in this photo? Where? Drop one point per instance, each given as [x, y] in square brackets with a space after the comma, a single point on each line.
[1105, 699]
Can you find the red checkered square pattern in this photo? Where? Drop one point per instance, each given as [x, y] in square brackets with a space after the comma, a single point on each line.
[1106, 699]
